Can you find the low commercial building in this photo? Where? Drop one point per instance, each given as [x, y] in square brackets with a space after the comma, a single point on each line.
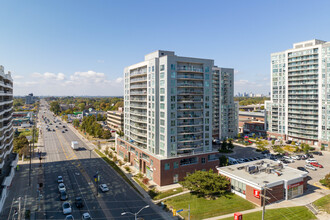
[249, 180]
[115, 119]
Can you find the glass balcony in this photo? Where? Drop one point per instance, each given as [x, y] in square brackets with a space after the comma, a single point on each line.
[189, 69]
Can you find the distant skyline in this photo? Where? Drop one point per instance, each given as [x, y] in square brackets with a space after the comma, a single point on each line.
[79, 47]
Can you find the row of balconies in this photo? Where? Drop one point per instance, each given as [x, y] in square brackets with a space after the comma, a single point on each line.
[190, 91]
[140, 126]
[190, 130]
[305, 87]
[295, 97]
[302, 107]
[138, 112]
[301, 121]
[141, 139]
[302, 116]
[291, 125]
[139, 119]
[189, 84]
[190, 76]
[136, 105]
[299, 135]
[138, 86]
[190, 69]
[303, 78]
[139, 92]
[303, 112]
[138, 72]
[302, 131]
[138, 79]
[303, 58]
[190, 115]
[138, 99]
[303, 63]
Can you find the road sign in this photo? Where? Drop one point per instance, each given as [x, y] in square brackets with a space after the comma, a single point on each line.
[180, 210]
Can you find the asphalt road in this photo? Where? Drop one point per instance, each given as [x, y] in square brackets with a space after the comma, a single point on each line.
[78, 168]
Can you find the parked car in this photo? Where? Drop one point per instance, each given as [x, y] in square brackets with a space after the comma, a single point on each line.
[265, 152]
[296, 157]
[69, 217]
[63, 131]
[79, 203]
[317, 153]
[60, 179]
[241, 160]
[63, 195]
[308, 166]
[302, 169]
[61, 187]
[66, 208]
[315, 164]
[287, 158]
[86, 216]
[311, 160]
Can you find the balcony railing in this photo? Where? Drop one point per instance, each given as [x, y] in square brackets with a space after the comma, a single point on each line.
[189, 68]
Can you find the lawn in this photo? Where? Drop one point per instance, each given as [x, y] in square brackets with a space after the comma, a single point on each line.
[292, 213]
[323, 203]
[203, 208]
[168, 193]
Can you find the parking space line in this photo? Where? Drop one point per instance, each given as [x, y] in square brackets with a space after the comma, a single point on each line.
[320, 186]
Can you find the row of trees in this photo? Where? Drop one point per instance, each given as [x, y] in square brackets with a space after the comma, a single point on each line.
[93, 128]
[251, 100]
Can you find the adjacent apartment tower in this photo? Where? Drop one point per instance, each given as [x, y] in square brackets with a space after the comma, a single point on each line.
[300, 94]
[8, 160]
[170, 104]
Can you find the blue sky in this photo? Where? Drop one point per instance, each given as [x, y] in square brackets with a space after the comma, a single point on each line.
[80, 47]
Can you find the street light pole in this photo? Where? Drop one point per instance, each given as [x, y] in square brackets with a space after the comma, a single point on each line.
[30, 165]
[135, 214]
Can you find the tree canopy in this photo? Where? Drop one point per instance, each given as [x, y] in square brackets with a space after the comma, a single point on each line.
[206, 183]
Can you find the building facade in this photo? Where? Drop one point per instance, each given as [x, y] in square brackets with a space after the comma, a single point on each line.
[300, 94]
[115, 119]
[249, 180]
[168, 116]
[225, 113]
[8, 160]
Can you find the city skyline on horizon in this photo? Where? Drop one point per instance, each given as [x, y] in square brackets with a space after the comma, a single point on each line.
[56, 51]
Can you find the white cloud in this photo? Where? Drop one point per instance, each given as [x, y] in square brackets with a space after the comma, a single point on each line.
[78, 83]
[17, 77]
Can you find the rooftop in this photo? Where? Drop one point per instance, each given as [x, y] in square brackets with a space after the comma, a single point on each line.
[262, 171]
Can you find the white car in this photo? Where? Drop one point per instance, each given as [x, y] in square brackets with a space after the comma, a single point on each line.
[61, 187]
[66, 208]
[60, 179]
[310, 160]
[308, 166]
[86, 216]
[104, 188]
[69, 217]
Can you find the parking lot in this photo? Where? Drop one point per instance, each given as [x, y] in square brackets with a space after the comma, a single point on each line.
[250, 152]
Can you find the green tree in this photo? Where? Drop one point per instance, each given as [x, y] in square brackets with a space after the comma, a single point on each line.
[120, 133]
[55, 107]
[273, 142]
[76, 123]
[81, 106]
[21, 145]
[65, 118]
[326, 180]
[206, 183]
[223, 161]
[239, 135]
[306, 148]
[254, 135]
[224, 145]
[106, 134]
[293, 143]
[230, 144]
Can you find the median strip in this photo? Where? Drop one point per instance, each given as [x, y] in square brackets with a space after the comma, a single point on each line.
[117, 169]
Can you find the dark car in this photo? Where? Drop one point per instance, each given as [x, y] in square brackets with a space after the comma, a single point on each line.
[265, 152]
[66, 129]
[79, 202]
[63, 196]
[63, 131]
[317, 153]
[53, 129]
[302, 169]
[63, 126]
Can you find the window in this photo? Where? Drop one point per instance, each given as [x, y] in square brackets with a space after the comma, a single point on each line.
[162, 130]
[162, 106]
[207, 76]
[188, 161]
[172, 66]
[172, 139]
[162, 137]
[176, 178]
[175, 165]
[172, 123]
[161, 75]
[172, 106]
[162, 114]
[172, 115]
[207, 69]
[162, 152]
[212, 157]
[203, 160]
[162, 122]
[207, 120]
[173, 91]
[162, 83]
[172, 98]
[162, 98]
[173, 75]
[162, 90]
[153, 68]
[161, 145]
[167, 166]
[162, 67]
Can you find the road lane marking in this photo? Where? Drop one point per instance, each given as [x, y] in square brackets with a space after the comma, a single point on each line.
[320, 186]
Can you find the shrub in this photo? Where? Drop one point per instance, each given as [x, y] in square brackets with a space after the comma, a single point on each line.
[120, 162]
[145, 181]
[110, 154]
[139, 175]
[125, 159]
[127, 169]
[153, 193]
[106, 150]
[112, 148]
[293, 143]
[115, 159]
[322, 147]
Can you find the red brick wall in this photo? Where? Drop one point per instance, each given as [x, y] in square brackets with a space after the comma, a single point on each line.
[164, 177]
[250, 196]
[275, 193]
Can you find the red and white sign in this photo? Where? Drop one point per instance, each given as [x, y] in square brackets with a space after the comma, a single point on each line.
[296, 184]
[256, 193]
[238, 216]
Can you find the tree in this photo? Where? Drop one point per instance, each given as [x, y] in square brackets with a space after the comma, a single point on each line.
[223, 161]
[224, 145]
[99, 117]
[326, 180]
[293, 143]
[106, 134]
[239, 135]
[76, 123]
[206, 183]
[55, 107]
[254, 135]
[230, 144]
[273, 142]
[120, 133]
[81, 106]
[65, 118]
[21, 145]
[306, 148]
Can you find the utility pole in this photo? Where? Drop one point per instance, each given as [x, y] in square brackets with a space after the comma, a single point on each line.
[189, 212]
[19, 208]
[264, 197]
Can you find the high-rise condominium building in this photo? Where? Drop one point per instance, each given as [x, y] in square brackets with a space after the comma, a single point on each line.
[168, 115]
[8, 160]
[300, 94]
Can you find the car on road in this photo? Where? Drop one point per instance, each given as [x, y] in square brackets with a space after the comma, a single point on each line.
[69, 217]
[104, 187]
[311, 160]
[315, 164]
[63, 126]
[79, 203]
[63, 195]
[241, 160]
[53, 129]
[66, 208]
[60, 179]
[317, 153]
[86, 216]
[63, 131]
[302, 169]
[66, 129]
[61, 187]
[308, 166]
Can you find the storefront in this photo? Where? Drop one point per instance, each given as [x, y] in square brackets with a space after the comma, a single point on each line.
[295, 190]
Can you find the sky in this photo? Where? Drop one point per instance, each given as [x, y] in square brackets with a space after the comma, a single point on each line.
[80, 47]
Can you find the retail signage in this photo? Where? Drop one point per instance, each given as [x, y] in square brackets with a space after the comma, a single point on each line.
[295, 184]
[256, 193]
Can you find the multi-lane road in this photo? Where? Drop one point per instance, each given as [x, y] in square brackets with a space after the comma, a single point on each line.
[78, 168]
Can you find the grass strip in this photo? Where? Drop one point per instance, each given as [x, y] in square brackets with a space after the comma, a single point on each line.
[291, 213]
[168, 193]
[117, 169]
[323, 203]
